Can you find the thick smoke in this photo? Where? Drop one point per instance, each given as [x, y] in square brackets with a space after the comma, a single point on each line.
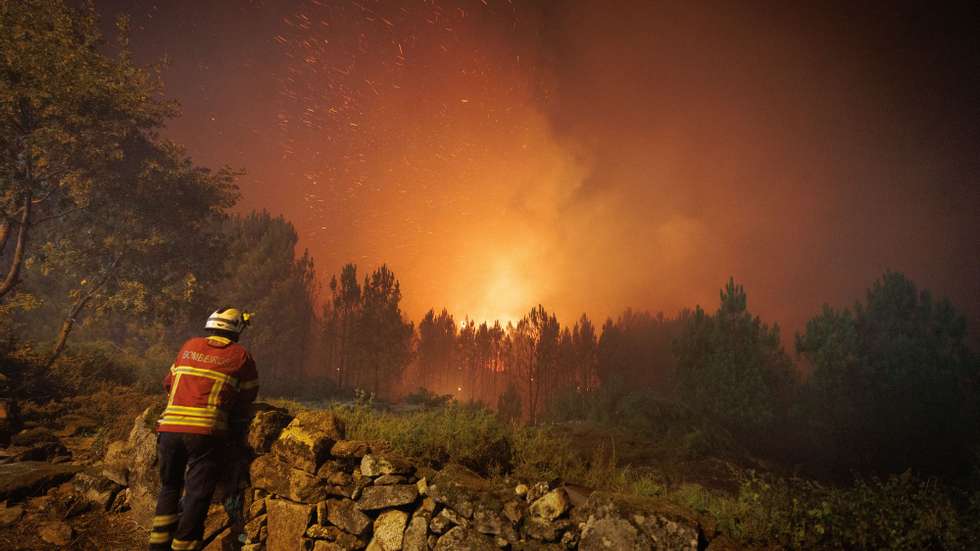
[594, 155]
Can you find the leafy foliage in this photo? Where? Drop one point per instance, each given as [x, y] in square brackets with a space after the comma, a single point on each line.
[893, 385]
[262, 273]
[69, 115]
[636, 352]
[900, 512]
[466, 435]
[427, 398]
[732, 366]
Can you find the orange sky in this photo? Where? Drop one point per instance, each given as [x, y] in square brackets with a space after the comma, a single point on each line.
[592, 156]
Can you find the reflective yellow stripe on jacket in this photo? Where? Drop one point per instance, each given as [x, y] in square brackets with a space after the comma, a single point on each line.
[217, 376]
[208, 417]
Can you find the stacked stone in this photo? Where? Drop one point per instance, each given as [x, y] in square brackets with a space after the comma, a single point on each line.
[312, 489]
[306, 487]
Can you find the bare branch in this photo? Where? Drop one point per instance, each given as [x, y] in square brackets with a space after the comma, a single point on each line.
[76, 309]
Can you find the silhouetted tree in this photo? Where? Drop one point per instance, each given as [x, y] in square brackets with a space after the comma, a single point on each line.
[263, 274]
[340, 321]
[732, 366]
[436, 348]
[636, 352]
[533, 354]
[383, 336]
[894, 385]
[585, 346]
[509, 404]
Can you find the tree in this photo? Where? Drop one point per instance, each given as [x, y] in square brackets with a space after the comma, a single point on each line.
[732, 366]
[67, 113]
[437, 347]
[584, 353]
[893, 385]
[534, 354]
[509, 404]
[261, 272]
[467, 362]
[154, 242]
[341, 317]
[636, 352]
[384, 337]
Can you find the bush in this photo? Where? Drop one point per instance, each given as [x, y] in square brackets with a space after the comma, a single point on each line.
[509, 404]
[426, 398]
[732, 367]
[894, 384]
[473, 437]
[541, 455]
[901, 512]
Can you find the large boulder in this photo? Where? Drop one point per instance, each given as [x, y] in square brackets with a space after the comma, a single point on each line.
[306, 442]
[654, 522]
[378, 465]
[551, 505]
[143, 471]
[275, 476]
[95, 489]
[345, 514]
[415, 534]
[265, 427]
[389, 531]
[115, 464]
[603, 534]
[30, 478]
[287, 524]
[463, 539]
[457, 487]
[352, 449]
[383, 497]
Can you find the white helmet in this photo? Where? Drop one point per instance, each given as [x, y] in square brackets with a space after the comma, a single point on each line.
[229, 319]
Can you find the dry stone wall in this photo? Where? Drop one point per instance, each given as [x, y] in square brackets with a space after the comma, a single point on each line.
[309, 488]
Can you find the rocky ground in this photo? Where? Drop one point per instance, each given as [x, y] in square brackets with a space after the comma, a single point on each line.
[299, 484]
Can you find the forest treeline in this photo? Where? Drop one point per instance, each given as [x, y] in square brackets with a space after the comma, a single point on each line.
[114, 242]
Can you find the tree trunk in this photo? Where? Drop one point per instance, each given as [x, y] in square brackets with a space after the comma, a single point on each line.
[4, 235]
[10, 280]
[76, 309]
[66, 327]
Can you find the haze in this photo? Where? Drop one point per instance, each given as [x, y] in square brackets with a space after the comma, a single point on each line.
[592, 156]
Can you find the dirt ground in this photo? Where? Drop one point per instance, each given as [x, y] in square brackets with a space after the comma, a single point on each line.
[96, 531]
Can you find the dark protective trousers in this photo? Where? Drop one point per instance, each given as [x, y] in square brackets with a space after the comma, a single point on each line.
[198, 456]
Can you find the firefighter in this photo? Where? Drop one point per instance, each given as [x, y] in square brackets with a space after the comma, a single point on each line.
[210, 385]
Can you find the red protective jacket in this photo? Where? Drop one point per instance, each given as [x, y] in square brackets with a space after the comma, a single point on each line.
[212, 380]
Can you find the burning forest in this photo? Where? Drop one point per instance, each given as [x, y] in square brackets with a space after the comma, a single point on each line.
[488, 274]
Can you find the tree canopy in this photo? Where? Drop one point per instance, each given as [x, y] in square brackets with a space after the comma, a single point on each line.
[732, 366]
[68, 114]
[894, 385]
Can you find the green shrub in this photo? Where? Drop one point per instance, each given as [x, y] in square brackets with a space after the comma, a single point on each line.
[541, 455]
[901, 512]
[509, 404]
[427, 398]
[473, 437]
